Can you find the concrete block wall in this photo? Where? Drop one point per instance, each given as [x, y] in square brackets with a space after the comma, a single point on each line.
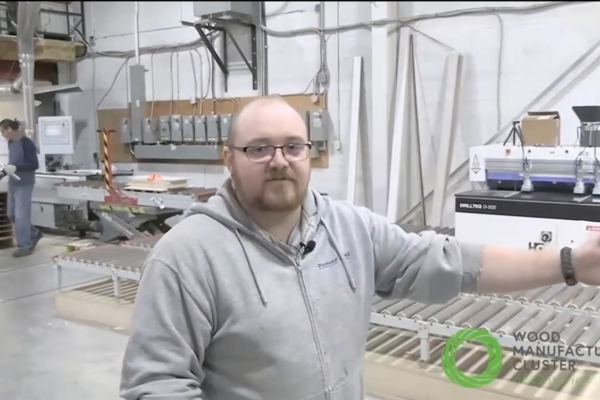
[509, 57]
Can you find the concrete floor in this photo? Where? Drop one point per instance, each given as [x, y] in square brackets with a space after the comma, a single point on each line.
[43, 357]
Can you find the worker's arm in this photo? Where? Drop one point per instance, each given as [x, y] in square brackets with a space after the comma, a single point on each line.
[170, 331]
[434, 268]
[506, 269]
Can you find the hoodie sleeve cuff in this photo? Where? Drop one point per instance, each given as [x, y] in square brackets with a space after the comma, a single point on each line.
[471, 259]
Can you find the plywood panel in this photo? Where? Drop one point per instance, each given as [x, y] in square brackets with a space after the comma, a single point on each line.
[121, 153]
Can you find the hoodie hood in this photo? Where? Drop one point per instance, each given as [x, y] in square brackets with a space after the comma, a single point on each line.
[224, 208]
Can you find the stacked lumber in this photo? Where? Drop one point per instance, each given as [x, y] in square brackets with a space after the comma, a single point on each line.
[156, 183]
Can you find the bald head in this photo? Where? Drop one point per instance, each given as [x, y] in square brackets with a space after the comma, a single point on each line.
[264, 110]
[267, 156]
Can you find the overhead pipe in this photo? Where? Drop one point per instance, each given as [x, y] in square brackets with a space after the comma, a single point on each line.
[136, 32]
[13, 88]
[27, 18]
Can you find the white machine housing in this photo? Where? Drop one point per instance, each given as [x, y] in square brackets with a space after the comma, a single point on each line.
[486, 221]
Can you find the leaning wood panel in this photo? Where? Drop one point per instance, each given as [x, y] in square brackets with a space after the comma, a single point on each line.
[122, 153]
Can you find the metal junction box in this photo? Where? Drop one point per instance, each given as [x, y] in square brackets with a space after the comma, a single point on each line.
[200, 129]
[151, 134]
[176, 129]
[188, 128]
[165, 128]
[225, 125]
[240, 10]
[125, 131]
[213, 131]
[320, 126]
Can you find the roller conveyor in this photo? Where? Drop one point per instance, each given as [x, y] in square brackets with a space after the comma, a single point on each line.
[144, 243]
[122, 261]
[118, 262]
[578, 297]
[502, 317]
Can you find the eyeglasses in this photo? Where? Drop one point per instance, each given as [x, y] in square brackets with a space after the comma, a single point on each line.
[293, 152]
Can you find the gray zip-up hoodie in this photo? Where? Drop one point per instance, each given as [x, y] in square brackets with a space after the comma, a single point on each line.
[225, 312]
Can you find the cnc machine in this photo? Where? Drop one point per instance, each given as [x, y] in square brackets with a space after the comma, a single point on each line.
[534, 196]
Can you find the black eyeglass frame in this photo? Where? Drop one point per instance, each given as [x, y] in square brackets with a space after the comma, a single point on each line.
[245, 149]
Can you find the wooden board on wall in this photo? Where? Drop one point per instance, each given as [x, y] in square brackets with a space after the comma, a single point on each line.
[121, 153]
[45, 49]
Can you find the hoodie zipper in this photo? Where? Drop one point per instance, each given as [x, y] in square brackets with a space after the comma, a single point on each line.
[313, 324]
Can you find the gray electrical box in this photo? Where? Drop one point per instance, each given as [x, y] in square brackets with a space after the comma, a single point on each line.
[320, 126]
[200, 129]
[188, 128]
[137, 93]
[212, 129]
[151, 134]
[176, 129]
[226, 120]
[125, 130]
[165, 128]
[240, 10]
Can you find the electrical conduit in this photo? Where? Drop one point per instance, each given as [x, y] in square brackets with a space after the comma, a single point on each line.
[27, 19]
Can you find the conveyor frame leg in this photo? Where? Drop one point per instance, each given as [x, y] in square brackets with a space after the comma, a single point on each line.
[424, 337]
[59, 284]
[117, 287]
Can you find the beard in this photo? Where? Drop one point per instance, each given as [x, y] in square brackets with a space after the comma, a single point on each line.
[280, 192]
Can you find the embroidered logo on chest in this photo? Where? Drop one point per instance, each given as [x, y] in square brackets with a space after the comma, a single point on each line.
[334, 261]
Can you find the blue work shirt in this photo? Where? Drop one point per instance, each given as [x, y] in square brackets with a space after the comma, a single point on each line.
[23, 154]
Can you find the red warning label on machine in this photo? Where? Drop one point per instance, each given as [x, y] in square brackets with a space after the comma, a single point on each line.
[593, 228]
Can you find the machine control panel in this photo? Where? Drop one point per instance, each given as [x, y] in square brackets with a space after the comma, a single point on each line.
[56, 135]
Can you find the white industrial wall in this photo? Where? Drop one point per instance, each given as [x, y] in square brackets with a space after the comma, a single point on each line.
[509, 57]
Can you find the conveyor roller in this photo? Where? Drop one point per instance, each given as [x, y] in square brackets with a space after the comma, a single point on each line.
[108, 257]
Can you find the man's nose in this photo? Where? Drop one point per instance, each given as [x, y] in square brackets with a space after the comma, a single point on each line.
[279, 159]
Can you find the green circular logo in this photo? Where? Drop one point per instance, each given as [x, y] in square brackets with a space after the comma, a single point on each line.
[494, 358]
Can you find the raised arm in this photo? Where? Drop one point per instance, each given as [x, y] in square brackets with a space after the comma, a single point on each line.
[434, 268]
[163, 360]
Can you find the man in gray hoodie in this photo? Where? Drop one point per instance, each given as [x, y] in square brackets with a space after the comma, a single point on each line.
[265, 291]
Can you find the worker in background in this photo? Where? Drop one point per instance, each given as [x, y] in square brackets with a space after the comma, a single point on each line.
[265, 291]
[22, 162]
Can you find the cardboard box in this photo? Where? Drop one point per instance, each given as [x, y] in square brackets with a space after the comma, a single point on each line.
[541, 128]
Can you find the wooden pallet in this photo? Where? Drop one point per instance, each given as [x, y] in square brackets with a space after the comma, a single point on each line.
[95, 303]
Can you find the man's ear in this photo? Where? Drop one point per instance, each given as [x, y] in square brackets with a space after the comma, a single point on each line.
[227, 157]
